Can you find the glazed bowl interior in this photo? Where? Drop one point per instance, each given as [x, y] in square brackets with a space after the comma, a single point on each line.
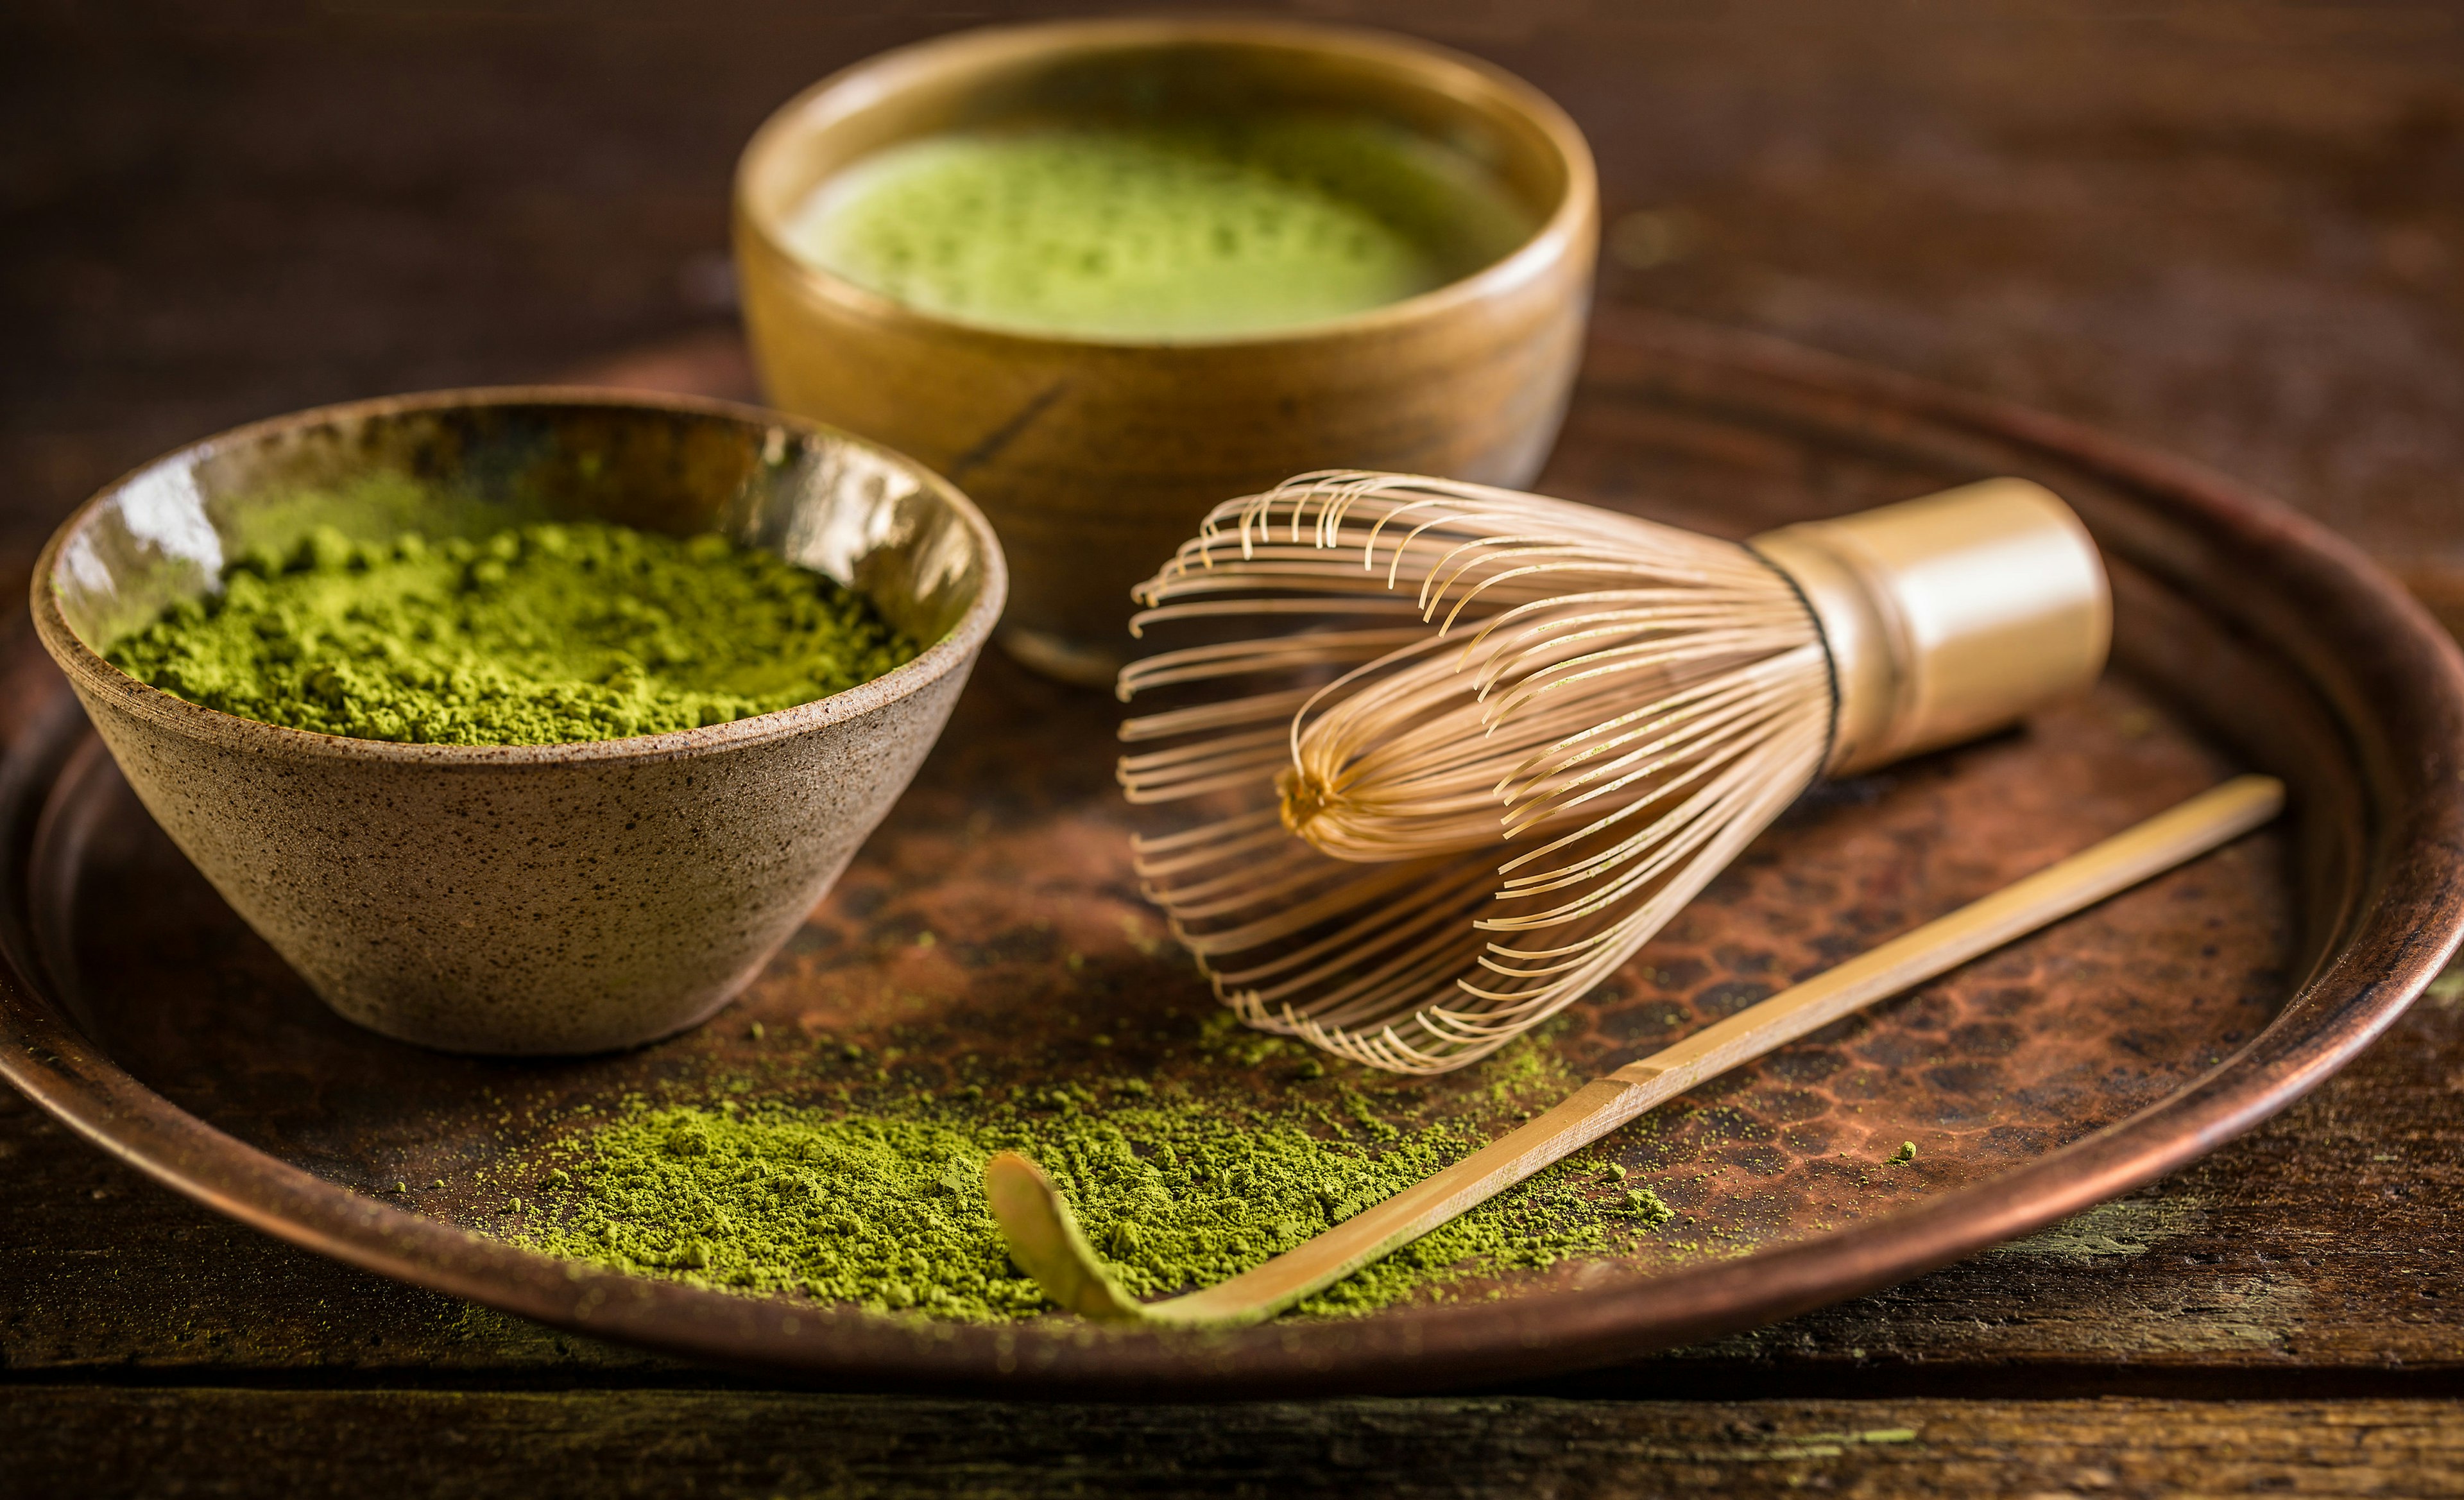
[1143, 72]
[471, 464]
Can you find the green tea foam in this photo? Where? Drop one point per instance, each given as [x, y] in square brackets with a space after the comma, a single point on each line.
[1188, 231]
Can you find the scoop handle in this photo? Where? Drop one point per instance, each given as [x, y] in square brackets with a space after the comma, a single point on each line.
[2212, 818]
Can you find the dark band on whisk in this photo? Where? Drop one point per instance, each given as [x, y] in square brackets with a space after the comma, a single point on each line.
[1830, 657]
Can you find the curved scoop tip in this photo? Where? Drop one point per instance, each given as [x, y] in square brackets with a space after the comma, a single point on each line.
[1044, 1242]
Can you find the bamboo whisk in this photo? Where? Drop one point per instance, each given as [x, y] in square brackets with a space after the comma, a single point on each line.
[1494, 741]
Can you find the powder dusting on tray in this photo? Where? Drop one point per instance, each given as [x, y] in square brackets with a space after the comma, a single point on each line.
[887, 1211]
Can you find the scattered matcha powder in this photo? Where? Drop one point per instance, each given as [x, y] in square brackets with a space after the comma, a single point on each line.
[1648, 1207]
[887, 1212]
[542, 634]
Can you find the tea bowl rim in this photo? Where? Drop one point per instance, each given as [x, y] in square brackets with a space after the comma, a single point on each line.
[1569, 230]
[85, 667]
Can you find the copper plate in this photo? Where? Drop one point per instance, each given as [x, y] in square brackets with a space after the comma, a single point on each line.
[2072, 1067]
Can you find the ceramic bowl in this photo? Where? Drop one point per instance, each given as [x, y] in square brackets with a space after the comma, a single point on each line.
[525, 898]
[1095, 458]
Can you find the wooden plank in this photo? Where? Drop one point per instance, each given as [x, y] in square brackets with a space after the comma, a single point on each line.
[604, 1444]
[2230, 230]
[2234, 228]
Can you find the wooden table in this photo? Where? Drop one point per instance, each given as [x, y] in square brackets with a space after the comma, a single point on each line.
[2233, 231]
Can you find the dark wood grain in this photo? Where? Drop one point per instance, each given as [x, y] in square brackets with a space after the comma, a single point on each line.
[778, 1444]
[2235, 230]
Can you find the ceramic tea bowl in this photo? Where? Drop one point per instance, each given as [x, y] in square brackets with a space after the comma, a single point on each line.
[525, 898]
[1095, 457]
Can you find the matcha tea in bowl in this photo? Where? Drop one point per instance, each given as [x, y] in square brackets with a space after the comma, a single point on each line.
[1104, 273]
[522, 722]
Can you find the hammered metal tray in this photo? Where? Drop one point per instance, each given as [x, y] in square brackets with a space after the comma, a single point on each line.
[990, 934]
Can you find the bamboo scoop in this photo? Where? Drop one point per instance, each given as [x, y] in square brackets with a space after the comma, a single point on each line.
[1046, 1242]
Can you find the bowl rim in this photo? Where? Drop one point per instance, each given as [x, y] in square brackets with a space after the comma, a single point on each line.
[1568, 229]
[955, 651]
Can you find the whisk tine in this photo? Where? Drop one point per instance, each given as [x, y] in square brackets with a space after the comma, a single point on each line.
[1639, 694]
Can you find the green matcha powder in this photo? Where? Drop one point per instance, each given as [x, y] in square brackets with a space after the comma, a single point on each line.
[887, 1211]
[545, 634]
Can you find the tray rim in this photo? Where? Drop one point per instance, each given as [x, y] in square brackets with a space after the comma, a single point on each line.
[2400, 938]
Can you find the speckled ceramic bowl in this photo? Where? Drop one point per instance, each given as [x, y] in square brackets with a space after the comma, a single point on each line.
[526, 898]
[1095, 456]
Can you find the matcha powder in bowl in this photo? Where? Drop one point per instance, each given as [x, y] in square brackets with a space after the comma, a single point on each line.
[540, 635]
